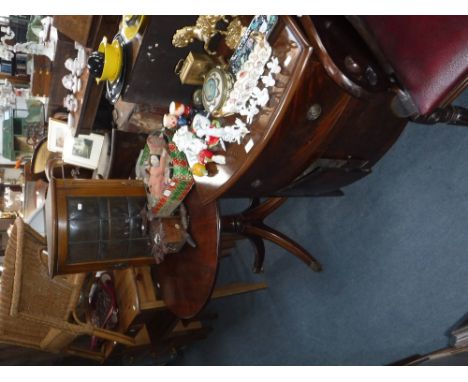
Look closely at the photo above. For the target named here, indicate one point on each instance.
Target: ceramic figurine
(46, 28)
(71, 82)
(274, 65)
(199, 169)
(30, 47)
(207, 163)
(206, 156)
(70, 120)
(69, 65)
(81, 56)
(211, 168)
(200, 122)
(156, 180)
(172, 121)
(178, 108)
(159, 171)
(6, 50)
(8, 34)
(156, 144)
(261, 96)
(268, 80)
(215, 133)
(70, 103)
(73, 66)
(181, 110)
(6, 53)
(203, 127)
(250, 112)
(188, 143)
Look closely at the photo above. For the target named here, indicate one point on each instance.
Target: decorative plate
(113, 89)
(261, 23)
(216, 88)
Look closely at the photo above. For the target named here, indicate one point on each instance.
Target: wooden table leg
(249, 224)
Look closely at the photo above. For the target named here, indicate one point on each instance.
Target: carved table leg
(259, 246)
(249, 223)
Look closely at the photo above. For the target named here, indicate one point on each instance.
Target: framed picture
(57, 131)
(83, 150)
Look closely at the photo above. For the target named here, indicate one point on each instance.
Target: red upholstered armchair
(427, 59)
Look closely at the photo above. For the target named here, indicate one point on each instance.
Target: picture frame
(56, 134)
(83, 150)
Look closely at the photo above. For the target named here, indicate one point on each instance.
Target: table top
(289, 46)
(150, 78)
(186, 279)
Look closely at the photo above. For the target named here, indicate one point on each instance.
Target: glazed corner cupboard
(94, 225)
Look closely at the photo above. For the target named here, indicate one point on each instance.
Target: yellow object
(112, 60)
(131, 25)
(199, 169)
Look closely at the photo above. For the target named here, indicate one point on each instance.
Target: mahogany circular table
(186, 279)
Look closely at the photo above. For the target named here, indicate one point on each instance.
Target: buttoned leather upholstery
(429, 54)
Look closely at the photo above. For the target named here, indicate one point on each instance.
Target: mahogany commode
(322, 129)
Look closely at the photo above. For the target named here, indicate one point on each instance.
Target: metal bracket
(347, 165)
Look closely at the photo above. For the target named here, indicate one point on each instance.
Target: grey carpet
(395, 257)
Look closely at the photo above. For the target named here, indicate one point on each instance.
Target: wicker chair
(37, 311)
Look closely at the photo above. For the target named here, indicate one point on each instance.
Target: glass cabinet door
(106, 229)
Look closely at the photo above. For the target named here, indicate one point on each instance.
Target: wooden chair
(37, 311)
(144, 314)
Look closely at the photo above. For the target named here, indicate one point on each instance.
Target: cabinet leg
(263, 231)
(249, 224)
(259, 247)
(452, 115)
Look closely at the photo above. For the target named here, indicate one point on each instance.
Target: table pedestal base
(249, 224)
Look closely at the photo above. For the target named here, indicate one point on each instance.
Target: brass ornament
(234, 32)
(203, 30)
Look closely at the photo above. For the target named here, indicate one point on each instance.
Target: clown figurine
(172, 121)
(181, 110)
(178, 108)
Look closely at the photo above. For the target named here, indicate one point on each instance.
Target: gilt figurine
(203, 30)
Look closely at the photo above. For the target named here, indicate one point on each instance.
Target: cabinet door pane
(83, 252)
(106, 228)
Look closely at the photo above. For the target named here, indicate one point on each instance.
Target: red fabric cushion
(428, 53)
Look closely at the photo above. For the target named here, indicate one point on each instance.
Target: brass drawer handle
(120, 266)
(256, 183)
(314, 112)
